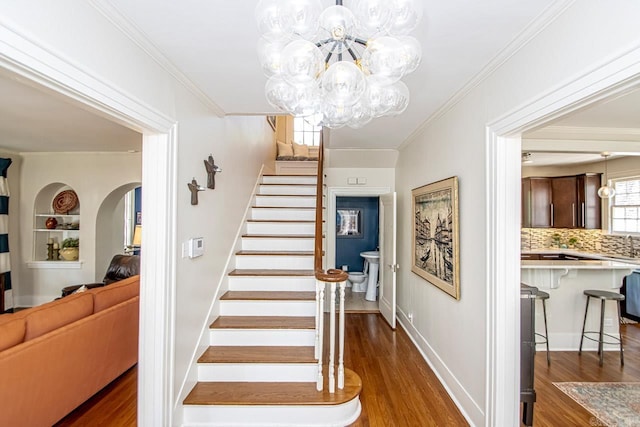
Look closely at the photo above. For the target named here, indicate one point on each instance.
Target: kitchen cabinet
(561, 202)
(536, 202)
(564, 199)
(589, 204)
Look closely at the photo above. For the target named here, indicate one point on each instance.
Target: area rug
(613, 404)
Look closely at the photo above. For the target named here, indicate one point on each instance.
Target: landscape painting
(435, 235)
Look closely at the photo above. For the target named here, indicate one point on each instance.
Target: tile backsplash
(586, 240)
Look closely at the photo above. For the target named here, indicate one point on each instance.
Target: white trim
(36, 63)
(503, 276)
(134, 34)
(613, 76)
(530, 32)
(157, 297)
(55, 264)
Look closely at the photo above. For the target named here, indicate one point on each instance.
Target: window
(305, 132)
(625, 208)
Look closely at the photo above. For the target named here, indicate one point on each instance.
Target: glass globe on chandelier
(340, 66)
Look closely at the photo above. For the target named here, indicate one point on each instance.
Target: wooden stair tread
(264, 322)
(298, 208)
(276, 253)
(258, 354)
(271, 273)
(279, 236)
(286, 195)
(289, 184)
(282, 220)
(267, 393)
(269, 296)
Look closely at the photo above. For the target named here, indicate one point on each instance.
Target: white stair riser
(275, 262)
(307, 190)
(267, 308)
(272, 416)
(286, 214)
(295, 283)
(305, 201)
(284, 179)
(282, 228)
(258, 372)
(278, 244)
(270, 337)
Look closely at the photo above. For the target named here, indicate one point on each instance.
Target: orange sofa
(55, 356)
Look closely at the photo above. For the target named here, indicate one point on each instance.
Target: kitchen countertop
(597, 261)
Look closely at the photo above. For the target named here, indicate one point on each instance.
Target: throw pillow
(285, 151)
(82, 288)
(300, 151)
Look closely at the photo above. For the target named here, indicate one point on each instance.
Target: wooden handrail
(332, 275)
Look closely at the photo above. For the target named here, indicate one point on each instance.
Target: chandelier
(338, 66)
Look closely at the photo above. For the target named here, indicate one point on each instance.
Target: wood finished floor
(399, 389)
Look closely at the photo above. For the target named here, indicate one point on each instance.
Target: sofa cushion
(56, 314)
(115, 293)
(13, 331)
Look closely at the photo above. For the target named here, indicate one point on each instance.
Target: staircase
(260, 369)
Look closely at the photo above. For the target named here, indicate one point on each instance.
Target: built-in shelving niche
(43, 209)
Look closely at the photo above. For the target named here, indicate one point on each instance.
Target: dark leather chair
(120, 267)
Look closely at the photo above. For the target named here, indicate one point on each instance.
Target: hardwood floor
(554, 408)
(399, 388)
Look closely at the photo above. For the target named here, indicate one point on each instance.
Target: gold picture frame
(435, 235)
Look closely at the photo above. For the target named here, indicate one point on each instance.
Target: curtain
(6, 294)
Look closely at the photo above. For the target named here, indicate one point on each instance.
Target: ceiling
(611, 125)
(213, 45)
(35, 120)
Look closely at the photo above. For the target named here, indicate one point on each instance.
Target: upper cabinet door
(536, 202)
(564, 202)
(589, 204)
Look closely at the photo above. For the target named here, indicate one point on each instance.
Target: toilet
(358, 281)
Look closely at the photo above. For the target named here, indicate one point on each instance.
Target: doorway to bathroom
(357, 232)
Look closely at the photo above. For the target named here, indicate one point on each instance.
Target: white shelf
(58, 215)
(55, 264)
(61, 230)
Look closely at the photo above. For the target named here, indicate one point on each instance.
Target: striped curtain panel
(6, 294)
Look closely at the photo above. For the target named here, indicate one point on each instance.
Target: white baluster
(332, 339)
(318, 308)
(320, 286)
(341, 339)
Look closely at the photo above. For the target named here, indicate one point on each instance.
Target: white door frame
(614, 76)
(38, 64)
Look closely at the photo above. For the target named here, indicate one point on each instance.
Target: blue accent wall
(138, 204)
(348, 248)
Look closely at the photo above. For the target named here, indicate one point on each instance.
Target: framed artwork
(435, 243)
(349, 223)
(272, 122)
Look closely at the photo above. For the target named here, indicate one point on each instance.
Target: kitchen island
(565, 274)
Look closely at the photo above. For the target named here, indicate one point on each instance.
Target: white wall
(453, 333)
(93, 176)
(240, 145)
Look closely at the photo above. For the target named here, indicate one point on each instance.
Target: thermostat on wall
(196, 247)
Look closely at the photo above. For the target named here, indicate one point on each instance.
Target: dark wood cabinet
(536, 202)
(561, 202)
(589, 204)
(564, 200)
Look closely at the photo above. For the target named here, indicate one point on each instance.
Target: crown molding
(136, 35)
(585, 133)
(542, 21)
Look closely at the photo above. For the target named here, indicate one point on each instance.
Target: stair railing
(335, 278)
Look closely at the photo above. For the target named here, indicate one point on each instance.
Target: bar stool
(603, 296)
(543, 296)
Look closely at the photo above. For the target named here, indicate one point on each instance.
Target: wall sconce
(212, 169)
(194, 187)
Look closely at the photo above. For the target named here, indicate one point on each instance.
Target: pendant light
(606, 192)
